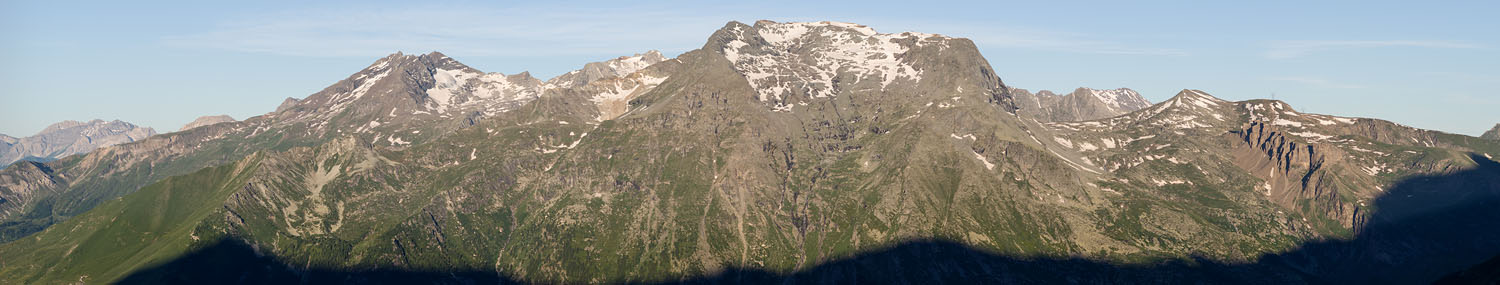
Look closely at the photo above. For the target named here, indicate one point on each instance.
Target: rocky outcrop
(1493, 133)
(27, 180)
(207, 120)
(287, 104)
(1293, 171)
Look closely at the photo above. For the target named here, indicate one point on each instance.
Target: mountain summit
(1493, 133)
(206, 120)
(618, 67)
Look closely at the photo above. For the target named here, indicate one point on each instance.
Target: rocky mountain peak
(431, 84)
(617, 67)
(207, 120)
(65, 124)
(791, 63)
(1493, 133)
(1081, 105)
(1119, 98)
(1192, 99)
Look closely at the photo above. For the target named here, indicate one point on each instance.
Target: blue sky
(161, 64)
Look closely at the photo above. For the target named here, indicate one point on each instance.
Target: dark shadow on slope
(1484, 273)
(1426, 227)
(231, 261)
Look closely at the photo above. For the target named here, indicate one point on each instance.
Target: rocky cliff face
(1081, 105)
(1493, 133)
(68, 138)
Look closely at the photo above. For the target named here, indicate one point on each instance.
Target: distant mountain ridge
(397, 101)
(68, 138)
(1081, 105)
(1493, 133)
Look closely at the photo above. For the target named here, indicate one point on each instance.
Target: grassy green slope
(152, 226)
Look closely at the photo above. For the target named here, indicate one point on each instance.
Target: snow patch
(396, 141)
(1085, 146)
(1063, 142)
(492, 92)
(1285, 122)
(987, 164)
(830, 49)
(1311, 135)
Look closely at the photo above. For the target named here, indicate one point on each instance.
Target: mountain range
(813, 151)
(68, 138)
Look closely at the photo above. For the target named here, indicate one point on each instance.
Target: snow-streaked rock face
(618, 67)
(820, 59)
(72, 137)
(435, 94)
(1120, 99)
(1080, 105)
(489, 93)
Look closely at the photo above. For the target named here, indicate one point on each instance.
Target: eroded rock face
(70, 137)
(1493, 133)
(27, 180)
(1081, 105)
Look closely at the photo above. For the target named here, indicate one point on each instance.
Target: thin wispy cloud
(471, 32)
(501, 32)
(1317, 82)
(1063, 43)
(1016, 37)
(1293, 49)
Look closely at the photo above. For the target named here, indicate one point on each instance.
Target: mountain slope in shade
(797, 149)
(1081, 105)
(206, 120)
(70, 137)
(1493, 133)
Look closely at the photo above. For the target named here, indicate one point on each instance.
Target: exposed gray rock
(71, 137)
(1081, 105)
(288, 103)
(207, 120)
(1493, 133)
(618, 67)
